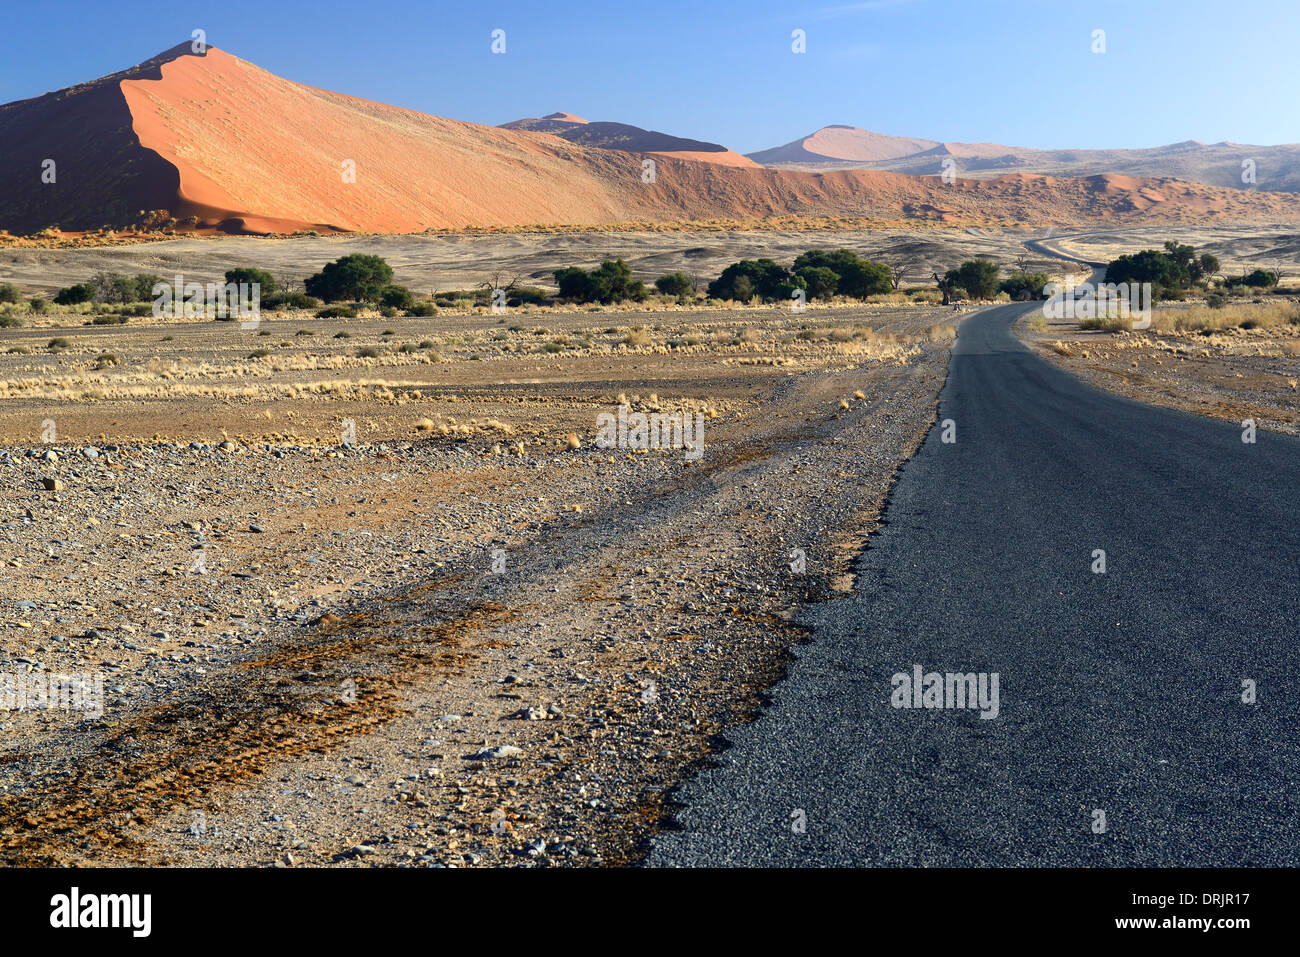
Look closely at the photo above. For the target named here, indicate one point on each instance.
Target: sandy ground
(1237, 248)
(459, 641)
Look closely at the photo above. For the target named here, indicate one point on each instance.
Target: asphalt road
(1118, 692)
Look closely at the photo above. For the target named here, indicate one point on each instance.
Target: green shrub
(259, 353)
(422, 309)
(978, 277)
(388, 312)
(10, 293)
(354, 277)
(741, 290)
(144, 283)
(289, 300)
(1257, 279)
(574, 283)
(109, 319)
(1024, 286)
(38, 304)
(611, 281)
(1105, 323)
(337, 312)
(858, 277)
(743, 280)
(676, 284)
(106, 360)
(342, 335)
(266, 283)
(58, 344)
(8, 320)
(114, 288)
(397, 297)
(368, 352)
(1169, 270)
(821, 282)
(528, 296)
(73, 295)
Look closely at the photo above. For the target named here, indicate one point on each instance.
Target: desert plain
(366, 591)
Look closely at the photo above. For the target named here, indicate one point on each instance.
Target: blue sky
(1019, 72)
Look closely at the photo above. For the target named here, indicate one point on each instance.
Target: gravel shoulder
(471, 637)
(1232, 374)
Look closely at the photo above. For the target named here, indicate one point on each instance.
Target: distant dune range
(1276, 168)
(216, 138)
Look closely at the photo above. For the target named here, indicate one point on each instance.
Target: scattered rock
(500, 751)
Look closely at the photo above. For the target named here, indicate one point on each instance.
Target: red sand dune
(843, 144)
(855, 144)
(563, 117)
(722, 158)
(214, 137)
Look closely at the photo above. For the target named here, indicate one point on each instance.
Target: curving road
(1119, 692)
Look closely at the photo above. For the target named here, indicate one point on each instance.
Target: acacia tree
(859, 277)
(358, 277)
(611, 281)
(979, 277)
(1209, 267)
(265, 281)
(764, 277)
(676, 284)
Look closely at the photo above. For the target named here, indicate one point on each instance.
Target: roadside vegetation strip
(363, 282)
(1236, 362)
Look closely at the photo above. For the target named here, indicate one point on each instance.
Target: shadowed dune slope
(101, 173)
(622, 136)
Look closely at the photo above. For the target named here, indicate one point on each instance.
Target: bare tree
(1023, 263)
(499, 288)
(498, 281)
(898, 271)
(943, 284)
